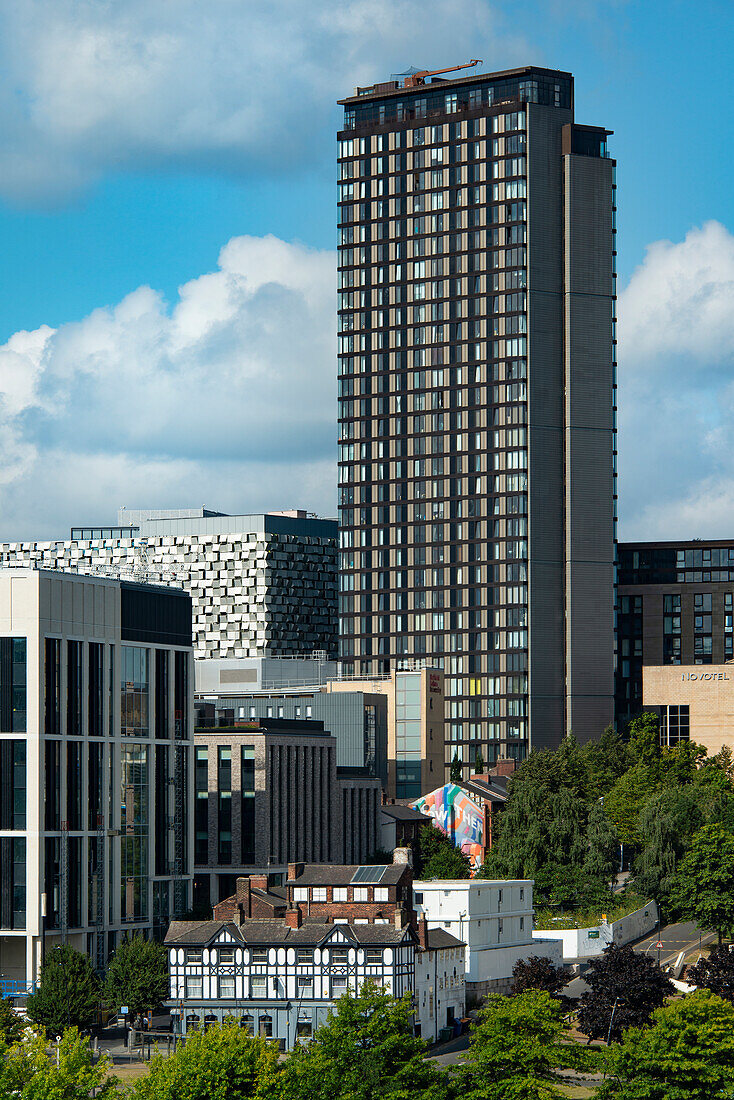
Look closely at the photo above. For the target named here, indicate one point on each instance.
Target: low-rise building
(494, 918)
(400, 827)
(278, 958)
(268, 792)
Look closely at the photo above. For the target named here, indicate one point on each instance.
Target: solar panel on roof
(369, 874)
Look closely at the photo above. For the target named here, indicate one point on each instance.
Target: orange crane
(415, 79)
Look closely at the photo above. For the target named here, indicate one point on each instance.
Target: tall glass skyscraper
(477, 402)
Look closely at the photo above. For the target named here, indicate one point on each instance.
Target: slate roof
(490, 792)
(273, 933)
(438, 938)
(404, 813)
(326, 874)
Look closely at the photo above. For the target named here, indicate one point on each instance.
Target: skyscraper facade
(477, 402)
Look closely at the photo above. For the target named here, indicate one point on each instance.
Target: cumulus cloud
(226, 397)
(230, 85)
(676, 390)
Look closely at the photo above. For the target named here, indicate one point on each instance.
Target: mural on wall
(454, 813)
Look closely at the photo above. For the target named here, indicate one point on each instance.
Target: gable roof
(403, 813)
(438, 938)
(327, 874)
(276, 933)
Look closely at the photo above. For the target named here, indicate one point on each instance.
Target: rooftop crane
(416, 79)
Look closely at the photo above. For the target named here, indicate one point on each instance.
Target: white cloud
(676, 390)
(227, 398)
(232, 85)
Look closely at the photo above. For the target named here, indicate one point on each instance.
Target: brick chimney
(242, 893)
(259, 882)
(293, 918)
(403, 855)
(295, 870)
(423, 933)
(503, 767)
(401, 918)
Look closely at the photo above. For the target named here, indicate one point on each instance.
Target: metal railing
(16, 987)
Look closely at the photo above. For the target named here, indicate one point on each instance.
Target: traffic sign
(124, 1010)
(659, 945)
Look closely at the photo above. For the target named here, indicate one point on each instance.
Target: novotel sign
(705, 676)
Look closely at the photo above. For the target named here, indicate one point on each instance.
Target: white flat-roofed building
(494, 918)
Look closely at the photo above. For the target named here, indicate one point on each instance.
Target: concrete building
(279, 958)
(415, 725)
(96, 723)
(675, 607)
(260, 584)
(392, 724)
(268, 792)
(477, 402)
(495, 921)
(695, 703)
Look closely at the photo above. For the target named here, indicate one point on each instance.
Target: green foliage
(366, 1049)
(705, 887)
(551, 832)
(67, 994)
(30, 1074)
(478, 763)
(137, 976)
(516, 1050)
(456, 774)
(686, 1054)
(11, 1025)
(221, 1063)
(538, 972)
(668, 820)
(439, 858)
(625, 989)
(715, 972)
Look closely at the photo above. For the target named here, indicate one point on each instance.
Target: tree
(516, 1050)
(538, 972)
(67, 994)
(686, 1054)
(715, 973)
(456, 775)
(11, 1025)
(439, 857)
(667, 821)
(478, 763)
(625, 990)
(366, 1049)
(221, 1063)
(29, 1073)
(137, 976)
(705, 888)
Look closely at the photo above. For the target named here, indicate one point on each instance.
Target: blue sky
(137, 143)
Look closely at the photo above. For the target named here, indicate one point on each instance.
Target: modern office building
(391, 724)
(96, 720)
(695, 703)
(477, 402)
(260, 584)
(268, 791)
(676, 607)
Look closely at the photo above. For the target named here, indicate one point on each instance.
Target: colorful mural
(456, 815)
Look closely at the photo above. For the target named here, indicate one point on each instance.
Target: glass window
(12, 685)
(258, 986)
(225, 955)
(134, 871)
(340, 893)
(373, 955)
(361, 893)
(226, 987)
(194, 955)
(194, 987)
(339, 956)
(318, 893)
(134, 682)
(259, 954)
